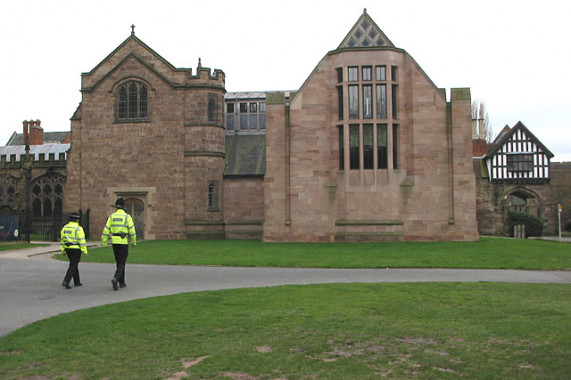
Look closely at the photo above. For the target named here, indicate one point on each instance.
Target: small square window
(243, 121)
(229, 107)
(262, 107)
(381, 73)
(243, 107)
(262, 121)
(253, 121)
(367, 73)
(353, 74)
(253, 107)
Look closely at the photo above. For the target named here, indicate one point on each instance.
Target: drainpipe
(287, 163)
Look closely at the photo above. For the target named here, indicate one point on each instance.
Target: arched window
(47, 194)
(132, 101)
(8, 194)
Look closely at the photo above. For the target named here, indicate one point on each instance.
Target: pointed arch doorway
(524, 200)
(136, 208)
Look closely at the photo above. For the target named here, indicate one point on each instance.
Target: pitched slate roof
(49, 138)
(245, 155)
(505, 135)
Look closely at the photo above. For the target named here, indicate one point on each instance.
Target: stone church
(368, 149)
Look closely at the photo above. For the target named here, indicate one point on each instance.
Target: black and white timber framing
(517, 156)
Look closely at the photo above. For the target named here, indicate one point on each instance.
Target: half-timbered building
(516, 156)
(513, 175)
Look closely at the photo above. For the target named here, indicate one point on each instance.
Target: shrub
(533, 225)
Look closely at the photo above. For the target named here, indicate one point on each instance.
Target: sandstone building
(368, 149)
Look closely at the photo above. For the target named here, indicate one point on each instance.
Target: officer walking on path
(73, 244)
(119, 227)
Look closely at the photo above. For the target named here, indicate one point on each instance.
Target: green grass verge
(9, 246)
(336, 331)
(488, 253)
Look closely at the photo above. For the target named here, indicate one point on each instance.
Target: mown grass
(336, 331)
(8, 246)
(487, 253)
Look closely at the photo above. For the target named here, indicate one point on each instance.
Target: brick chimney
(479, 147)
(26, 131)
(479, 144)
(36, 133)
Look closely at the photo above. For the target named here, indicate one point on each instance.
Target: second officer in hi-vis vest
(120, 228)
(72, 244)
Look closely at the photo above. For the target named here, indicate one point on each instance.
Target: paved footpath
(30, 282)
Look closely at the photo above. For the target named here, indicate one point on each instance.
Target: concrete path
(30, 282)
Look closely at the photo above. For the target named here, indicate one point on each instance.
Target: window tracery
(47, 195)
(132, 101)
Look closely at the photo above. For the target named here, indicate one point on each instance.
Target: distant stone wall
(492, 207)
(561, 192)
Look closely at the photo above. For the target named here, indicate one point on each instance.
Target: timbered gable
(517, 156)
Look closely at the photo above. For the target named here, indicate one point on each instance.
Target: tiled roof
(506, 133)
(49, 138)
(245, 155)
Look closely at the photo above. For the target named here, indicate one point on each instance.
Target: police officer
(119, 227)
(72, 244)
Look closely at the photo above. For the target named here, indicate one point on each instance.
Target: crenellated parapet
(46, 157)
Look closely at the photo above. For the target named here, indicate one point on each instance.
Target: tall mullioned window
(372, 107)
(133, 101)
(212, 109)
(213, 196)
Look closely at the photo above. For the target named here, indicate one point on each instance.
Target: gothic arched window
(132, 101)
(8, 194)
(47, 195)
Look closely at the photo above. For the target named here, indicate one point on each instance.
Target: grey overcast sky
(514, 55)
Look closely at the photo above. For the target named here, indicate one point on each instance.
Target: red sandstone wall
(166, 162)
(243, 207)
(427, 198)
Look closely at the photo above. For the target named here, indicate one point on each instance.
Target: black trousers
(121, 252)
(74, 256)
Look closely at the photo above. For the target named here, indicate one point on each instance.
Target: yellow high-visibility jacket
(73, 236)
(119, 227)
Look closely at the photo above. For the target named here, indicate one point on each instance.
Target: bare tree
(482, 120)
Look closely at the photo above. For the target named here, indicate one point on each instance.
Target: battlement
(207, 76)
(39, 155)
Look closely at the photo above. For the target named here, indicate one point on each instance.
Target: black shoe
(122, 285)
(66, 285)
(80, 284)
(114, 283)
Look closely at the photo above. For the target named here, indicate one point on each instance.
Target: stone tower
(154, 135)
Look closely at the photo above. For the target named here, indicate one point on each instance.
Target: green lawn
(8, 246)
(336, 331)
(488, 253)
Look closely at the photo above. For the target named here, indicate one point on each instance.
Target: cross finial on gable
(133, 29)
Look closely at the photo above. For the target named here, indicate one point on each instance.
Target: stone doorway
(136, 208)
(524, 201)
